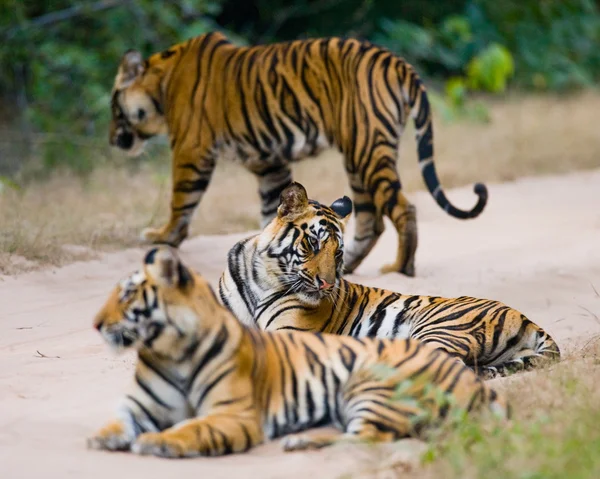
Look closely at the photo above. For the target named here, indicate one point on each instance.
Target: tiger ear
(292, 202)
(131, 66)
(342, 207)
(163, 266)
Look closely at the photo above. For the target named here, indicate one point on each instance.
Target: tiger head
(156, 307)
(302, 247)
(137, 109)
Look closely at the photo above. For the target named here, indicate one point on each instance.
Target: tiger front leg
(119, 434)
(173, 233)
(213, 435)
(272, 180)
(190, 180)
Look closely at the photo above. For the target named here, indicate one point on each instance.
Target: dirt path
(536, 247)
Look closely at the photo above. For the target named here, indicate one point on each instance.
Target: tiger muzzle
(323, 283)
(123, 140)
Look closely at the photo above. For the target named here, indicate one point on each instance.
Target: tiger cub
(207, 385)
(289, 278)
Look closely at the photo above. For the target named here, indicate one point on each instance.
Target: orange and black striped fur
(207, 385)
(289, 277)
(272, 104)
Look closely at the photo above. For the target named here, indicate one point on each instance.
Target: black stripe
(213, 383)
(171, 382)
(147, 413)
(215, 349)
(146, 388)
(191, 186)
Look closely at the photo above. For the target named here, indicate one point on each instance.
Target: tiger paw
(408, 270)
(161, 444)
(296, 442)
(489, 372)
(302, 442)
(163, 236)
(112, 437)
(154, 236)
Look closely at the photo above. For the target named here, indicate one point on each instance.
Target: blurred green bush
(58, 59)
(553, 44)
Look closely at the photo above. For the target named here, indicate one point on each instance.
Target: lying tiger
(207, 385)
(289, 277)
(270, 105)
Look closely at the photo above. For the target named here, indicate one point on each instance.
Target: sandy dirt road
(536, 247)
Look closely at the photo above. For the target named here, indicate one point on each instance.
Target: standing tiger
(289, 277)
(207, 385)
(272, 104)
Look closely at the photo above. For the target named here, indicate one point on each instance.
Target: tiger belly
(388, 323)
(256, 160)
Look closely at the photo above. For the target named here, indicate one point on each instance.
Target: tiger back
(290, 277)
(204, 384)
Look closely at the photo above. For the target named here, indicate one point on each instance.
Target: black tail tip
(482, 192)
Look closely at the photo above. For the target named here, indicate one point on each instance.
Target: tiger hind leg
(403, 215)
(369, 413)
(512, 366)
(358, 432)
(368, 228)
(507, 368)
(543, 351)
(382, 182)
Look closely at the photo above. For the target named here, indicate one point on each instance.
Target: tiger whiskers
(335, 295)
(293, 287)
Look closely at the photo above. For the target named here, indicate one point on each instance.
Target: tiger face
(303, 245)
(149, 309)
(137, 114)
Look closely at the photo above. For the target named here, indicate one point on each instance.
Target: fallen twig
(40, 355)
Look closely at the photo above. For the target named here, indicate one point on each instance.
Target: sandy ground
(536, 247)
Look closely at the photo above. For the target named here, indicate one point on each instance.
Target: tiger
(270, 105)
(206, 385)
(289, 277)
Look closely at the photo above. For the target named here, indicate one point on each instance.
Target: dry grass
(532, 135)
(553, 434)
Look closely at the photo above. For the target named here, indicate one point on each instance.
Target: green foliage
(490, 70)
(554, 42)
(551, 44)
(64, 69)
(531, 449)
(58, 59)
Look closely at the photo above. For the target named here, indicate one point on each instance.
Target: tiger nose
(98, 322)
(322, 283)
(124, 140)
